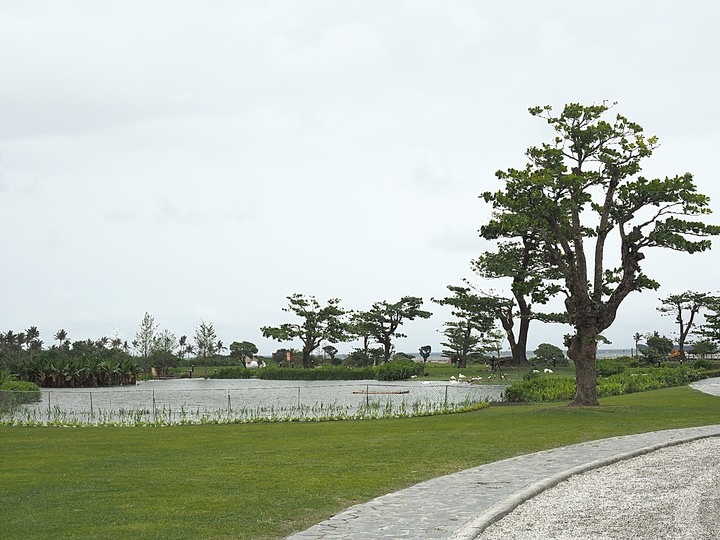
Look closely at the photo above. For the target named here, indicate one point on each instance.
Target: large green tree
(145, 336)
(384, 319)
(317, 324)
(205, 341)
(476, 314)
(547, 353)
(462, 342)
(658, 348)
(582, 193)
(684, 307)
(242, 350)
(532, 280)
(711, 328)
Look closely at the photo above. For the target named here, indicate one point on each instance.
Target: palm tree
(31, 334)
(20, 340)
(61, 336)
(183, 347)
(8, 340)
(205, 340)
(637, 337)
(35, 346)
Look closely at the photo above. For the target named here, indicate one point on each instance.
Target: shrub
(547, 354)
(641, 380)
(707, 374)
(234, 372)
(704, 363)
(17, 392)
(541, 389)
(637, 380)
(610, 366)
(324, 373)
(398, 370)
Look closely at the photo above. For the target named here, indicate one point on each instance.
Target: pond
(189, 401)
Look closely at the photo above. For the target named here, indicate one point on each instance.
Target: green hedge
(17, 392)
(394, 370)
(710, 373)
(398, 370)
(541, 389)
(635, 380)
(234, 372)
(323, 373)
(610, 366)
(705, 363)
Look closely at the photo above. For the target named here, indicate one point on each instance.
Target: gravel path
(671, 493)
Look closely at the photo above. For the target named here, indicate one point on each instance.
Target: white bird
(536, 371)
(461, 376)
(452, 378)
(413, 376)
(548, 370)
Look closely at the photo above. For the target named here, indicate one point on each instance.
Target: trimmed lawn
(268, 480)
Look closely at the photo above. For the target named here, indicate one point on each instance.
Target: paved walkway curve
(460, 506)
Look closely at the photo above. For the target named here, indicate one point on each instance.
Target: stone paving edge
(473, 528)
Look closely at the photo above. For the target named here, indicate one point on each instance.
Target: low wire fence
(131, 406)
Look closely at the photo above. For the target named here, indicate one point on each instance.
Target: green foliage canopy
(578, 191)
(317, 324)
(384, 318)
(684, 307)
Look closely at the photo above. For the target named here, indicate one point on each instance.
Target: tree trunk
(519, 351)
(519, 354)
(387, 348)
(582, 351)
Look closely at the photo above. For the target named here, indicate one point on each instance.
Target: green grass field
(268, 480)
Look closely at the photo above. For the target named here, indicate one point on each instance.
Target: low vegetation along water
(198, 401)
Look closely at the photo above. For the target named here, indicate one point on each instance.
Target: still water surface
(194, 398)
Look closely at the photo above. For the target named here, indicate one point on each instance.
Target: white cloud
(204, 160)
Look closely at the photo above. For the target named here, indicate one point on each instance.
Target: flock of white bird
(463, 378)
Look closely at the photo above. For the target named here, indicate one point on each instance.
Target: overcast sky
(206, 159)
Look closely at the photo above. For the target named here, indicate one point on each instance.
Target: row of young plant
(395, 370)
(540, 388)
(167, 416)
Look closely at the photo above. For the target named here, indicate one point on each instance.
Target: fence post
(367, 395)
(446, 387)
(48, 404)
(154, 412)
(229, 409)
(91, 405)
(298, 398)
